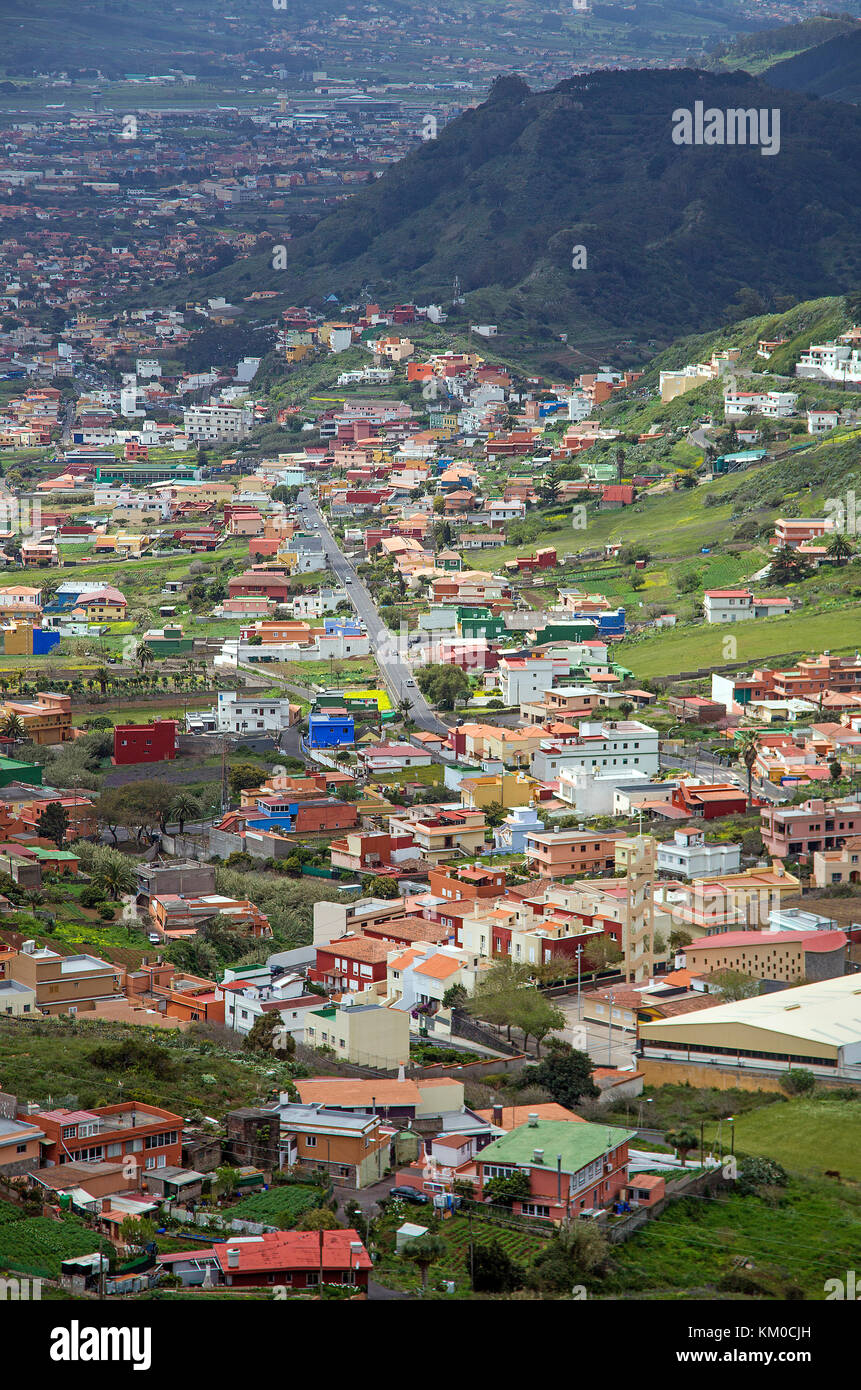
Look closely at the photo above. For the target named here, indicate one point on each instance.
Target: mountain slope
(672, 232)
(832, 69)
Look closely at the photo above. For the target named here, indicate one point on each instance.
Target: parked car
(409, 1194)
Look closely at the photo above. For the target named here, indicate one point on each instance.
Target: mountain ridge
(508, 189)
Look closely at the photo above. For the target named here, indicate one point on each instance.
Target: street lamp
(610, 1032)
(578, 953)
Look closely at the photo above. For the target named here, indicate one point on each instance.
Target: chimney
(29, 948)
(497, 1116)
(232, 1258)
(106, 1204)
(538, 1156)
(533, 1120)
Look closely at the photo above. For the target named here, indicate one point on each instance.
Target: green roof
(579, 1143)
(323, 1013)
(42, 853)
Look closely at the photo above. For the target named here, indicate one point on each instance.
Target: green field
(687, 648)
(280, 1206)
(795, 1239)
(805, 1136)
(37, 1245)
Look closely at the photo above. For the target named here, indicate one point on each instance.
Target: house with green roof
(573, 1166)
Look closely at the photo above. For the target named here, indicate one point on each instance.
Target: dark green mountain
(672, 233)
(831, 69)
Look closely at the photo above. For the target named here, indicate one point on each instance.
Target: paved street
(396, 673)
(594, 1038)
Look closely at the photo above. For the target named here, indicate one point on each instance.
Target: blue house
(331, 730)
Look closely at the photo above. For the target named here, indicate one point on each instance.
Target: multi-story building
(368, 1034)
(572, 1166)
(688, 855)
(239, 714)
(444, 835)
(355, 963)
(793, 832)
(145, 743)
(626, 743)
(558, 853)
(207, 424)
(146, 1133)
(788, 956)
(65, 984)
(46, 719)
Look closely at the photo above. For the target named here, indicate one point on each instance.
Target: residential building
(688, 855)
(795, 832)
(368, 1034)
(240, 714)
(625, 743)
(65, 984)
(281, 1259)
(145, 743)
(572, 1168)
(150, 1135)
(559, 853)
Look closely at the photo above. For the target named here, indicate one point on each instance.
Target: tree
(454, 997)
(569, 1258)
(114, 878)
(835, 769)
(113, 811)
(318, 1219)
(732, 985)
(548, 488)
(383, 887)
(424, 1252)
(787, 566)
(493, 1269)
(798, 1081)
(261, 1036)
(746, 751)
(682, 1140)
(565, 1073)
(443, 685)
(13, 728)
(840, 549)
(138, 1231)
(504, 1192)
(243, 775)
(185, 806)
(53, 823)
(537, 1017)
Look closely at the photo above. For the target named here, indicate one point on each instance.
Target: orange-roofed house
(351, 963)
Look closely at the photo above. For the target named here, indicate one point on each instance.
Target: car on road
(348, 579)
(412, 683)
(409, 1194)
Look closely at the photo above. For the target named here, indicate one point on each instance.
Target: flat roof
(578, 1144)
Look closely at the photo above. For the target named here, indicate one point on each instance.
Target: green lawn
(687, 648)
(805, 1136)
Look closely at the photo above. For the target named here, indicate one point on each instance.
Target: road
(397, 675)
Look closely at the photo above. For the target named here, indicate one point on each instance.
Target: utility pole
(578, 953)
(610, 1032)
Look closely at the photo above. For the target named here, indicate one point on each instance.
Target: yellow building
(505, 789)
(365, 1033)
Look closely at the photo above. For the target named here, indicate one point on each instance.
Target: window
(310, 1141)
(534, 1209)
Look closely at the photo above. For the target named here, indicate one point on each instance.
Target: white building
(836, 361)
(525, 677)
(212, 424)
(821, 421)
(776, 405)
(592, 793)
(241, 714)
(624, 744)
(727, 605)
(688, 856)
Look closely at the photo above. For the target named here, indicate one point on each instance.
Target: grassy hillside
(509, 188)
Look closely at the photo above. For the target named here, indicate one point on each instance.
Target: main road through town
(384, 644)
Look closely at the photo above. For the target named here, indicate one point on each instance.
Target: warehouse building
(817, 1026)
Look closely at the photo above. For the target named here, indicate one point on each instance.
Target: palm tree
(114, 878)
(13, 728)
(102, 675)
(746, 750)
(144, 656)
(185, 806)
(840, 549)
